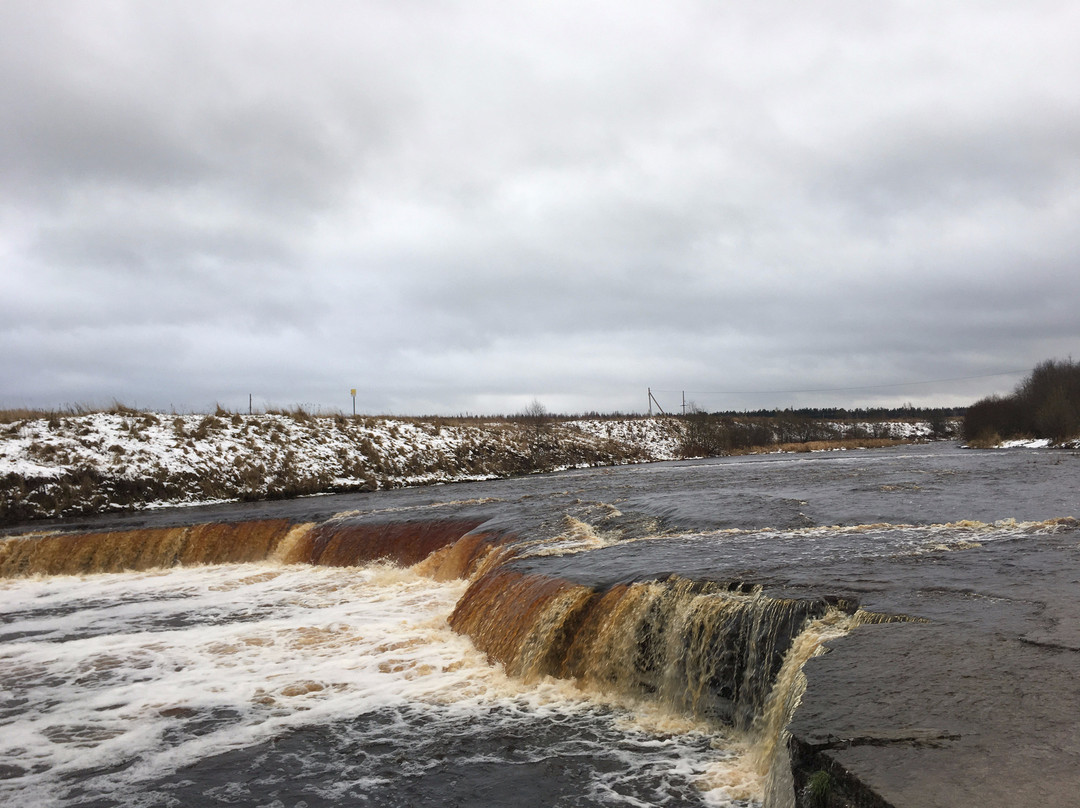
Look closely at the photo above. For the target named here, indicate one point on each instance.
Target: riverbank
(75, 465)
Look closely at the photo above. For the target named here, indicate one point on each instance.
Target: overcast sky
(467, 206)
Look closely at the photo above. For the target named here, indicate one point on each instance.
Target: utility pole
(652, 400)
(684, 403)
(249, 403)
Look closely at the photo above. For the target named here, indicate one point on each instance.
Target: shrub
(118, 408)
(208, 423)
(941, 425)
(535, 414)
(299, 414)
(708, 436)
(992, 415)
(818, 788)
(1044, 405)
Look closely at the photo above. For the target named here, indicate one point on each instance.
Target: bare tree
(536, 414)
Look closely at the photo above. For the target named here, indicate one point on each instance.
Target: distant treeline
(721, 433)
(905, 413)
(533, 413)
(715, 434)
(1044, 405)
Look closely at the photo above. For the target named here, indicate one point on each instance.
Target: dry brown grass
(826, 445)
(989, 440)
(18, 414)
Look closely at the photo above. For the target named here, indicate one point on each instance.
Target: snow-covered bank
(98, 462)
(1037, 443)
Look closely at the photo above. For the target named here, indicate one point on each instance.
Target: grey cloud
(464, 206)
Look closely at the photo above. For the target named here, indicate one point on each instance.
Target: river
(613, 637)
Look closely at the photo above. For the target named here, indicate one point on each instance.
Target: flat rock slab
(978, 707)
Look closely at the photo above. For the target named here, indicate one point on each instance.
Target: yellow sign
(353, 391)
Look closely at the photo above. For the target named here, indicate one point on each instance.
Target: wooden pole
(652, 400)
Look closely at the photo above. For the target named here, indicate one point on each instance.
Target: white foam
(141, 674)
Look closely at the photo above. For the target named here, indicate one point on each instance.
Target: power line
(841, 389)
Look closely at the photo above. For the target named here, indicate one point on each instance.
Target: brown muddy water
(625, 636)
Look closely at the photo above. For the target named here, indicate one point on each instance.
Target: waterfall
(335, 543)
(141, 549)
(695, 646)
(725, 653)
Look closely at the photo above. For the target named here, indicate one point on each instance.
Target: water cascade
(771, 758)
(335, 543)
(709, 649)
(346, 543)
(696, 646)
(119, 551)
